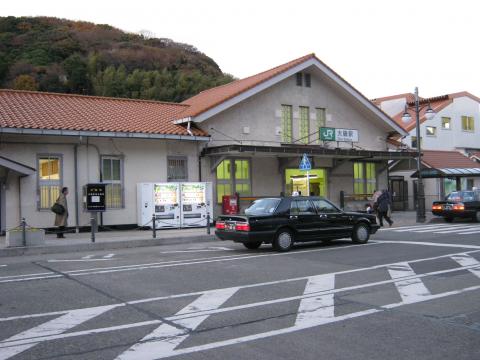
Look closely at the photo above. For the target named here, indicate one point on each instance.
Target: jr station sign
(334, 134)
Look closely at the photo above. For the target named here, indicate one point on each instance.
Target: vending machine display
(196, 203)
(161, 199)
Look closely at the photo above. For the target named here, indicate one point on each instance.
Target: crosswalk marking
(164, 339)
(411, 290)
(317, 309)
(464, 228)
(443, 228)
(468, 260)
(29, 338)
(469, 232)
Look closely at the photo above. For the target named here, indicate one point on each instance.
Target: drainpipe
(75, 170)
(188, 128)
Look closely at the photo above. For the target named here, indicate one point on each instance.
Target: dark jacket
(383, 202)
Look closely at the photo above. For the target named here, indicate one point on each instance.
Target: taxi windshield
(262, 207)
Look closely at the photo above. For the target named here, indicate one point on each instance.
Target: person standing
(383, 205)
(61, 219)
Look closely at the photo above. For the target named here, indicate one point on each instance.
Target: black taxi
(459, 204)
(284, 220)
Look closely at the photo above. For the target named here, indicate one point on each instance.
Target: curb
(122, 244)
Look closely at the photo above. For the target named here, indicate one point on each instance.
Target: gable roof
(213, 101)
(437, 103)
(78, 113)
(207, 99)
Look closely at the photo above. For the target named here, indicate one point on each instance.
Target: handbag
(58, 209)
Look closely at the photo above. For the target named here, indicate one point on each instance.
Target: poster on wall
(165, 194)
(193, 193)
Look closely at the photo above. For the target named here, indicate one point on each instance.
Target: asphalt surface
(410, 293)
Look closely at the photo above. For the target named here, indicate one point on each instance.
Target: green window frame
(321, 120)
(364, 178)
(233, 176)
(446, 123)
(304, 124)
(112, 177)
(49, 180)
(287, 123)
(468, 123)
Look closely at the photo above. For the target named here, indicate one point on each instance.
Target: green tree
(25, 82)
(77, 75)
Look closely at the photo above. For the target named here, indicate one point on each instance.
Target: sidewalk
(138, 238)
(109, 240)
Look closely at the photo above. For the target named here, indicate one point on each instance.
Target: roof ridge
(91, 97)
(303, 58)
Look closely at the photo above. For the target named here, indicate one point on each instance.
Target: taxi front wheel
(361, 233)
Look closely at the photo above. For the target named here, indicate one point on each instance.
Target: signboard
(333, 134)
(305, 164)
(165, 194)
(193, 193)
(95, 197)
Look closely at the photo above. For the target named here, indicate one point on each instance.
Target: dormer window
(308, 80)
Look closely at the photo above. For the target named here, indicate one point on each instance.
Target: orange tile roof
(447, 159)
(210, 98)
(437, 103)
(51, 111)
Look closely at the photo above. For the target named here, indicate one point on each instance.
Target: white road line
(411, 290)
(317, 309)
(468, 260)
(88, 257)
(410, 227)
(197, 293)
(188, 251)
(465, 228)
(31, 278)
(28, 275)
(444, 228)
(291, 329)
(165, 338)
(188, 315)
(27, 339)
(469, 232)
(77, 260)
(3, 265)
(428, 244)
(415, 227)
(109, 256)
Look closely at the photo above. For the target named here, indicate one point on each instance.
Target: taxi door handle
(293, 217)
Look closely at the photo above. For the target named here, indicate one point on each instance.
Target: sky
(381, 47)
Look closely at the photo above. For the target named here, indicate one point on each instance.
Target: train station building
(246, 137)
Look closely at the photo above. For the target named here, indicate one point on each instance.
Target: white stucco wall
(455, 138)
(144, 161)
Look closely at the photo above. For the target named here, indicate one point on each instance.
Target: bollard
(24, 232)
(208, 223)
(154, 226)
(92, 226)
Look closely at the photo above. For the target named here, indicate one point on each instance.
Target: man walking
(61, 218)
(383, 205)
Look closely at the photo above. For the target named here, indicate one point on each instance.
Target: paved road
(411, 293)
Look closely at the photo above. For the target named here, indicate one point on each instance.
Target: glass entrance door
(296, 180)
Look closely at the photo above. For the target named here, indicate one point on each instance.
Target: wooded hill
(57, 55)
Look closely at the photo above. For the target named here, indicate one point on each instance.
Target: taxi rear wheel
(284, 240)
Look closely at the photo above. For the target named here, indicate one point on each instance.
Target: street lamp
(406, 118)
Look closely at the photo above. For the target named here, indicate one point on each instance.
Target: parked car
(283, 221)
(459, 204)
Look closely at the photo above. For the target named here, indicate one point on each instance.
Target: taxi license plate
(230, 226)
(447, 207)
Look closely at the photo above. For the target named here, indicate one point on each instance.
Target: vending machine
(161, 199)
(196, 203)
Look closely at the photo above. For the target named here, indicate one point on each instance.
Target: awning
(15, 166)
(448, 173)
(294, 150)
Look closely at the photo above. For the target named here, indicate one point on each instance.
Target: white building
(245, 137)
(454, 129)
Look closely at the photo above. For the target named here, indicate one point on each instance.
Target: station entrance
(296, 180)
